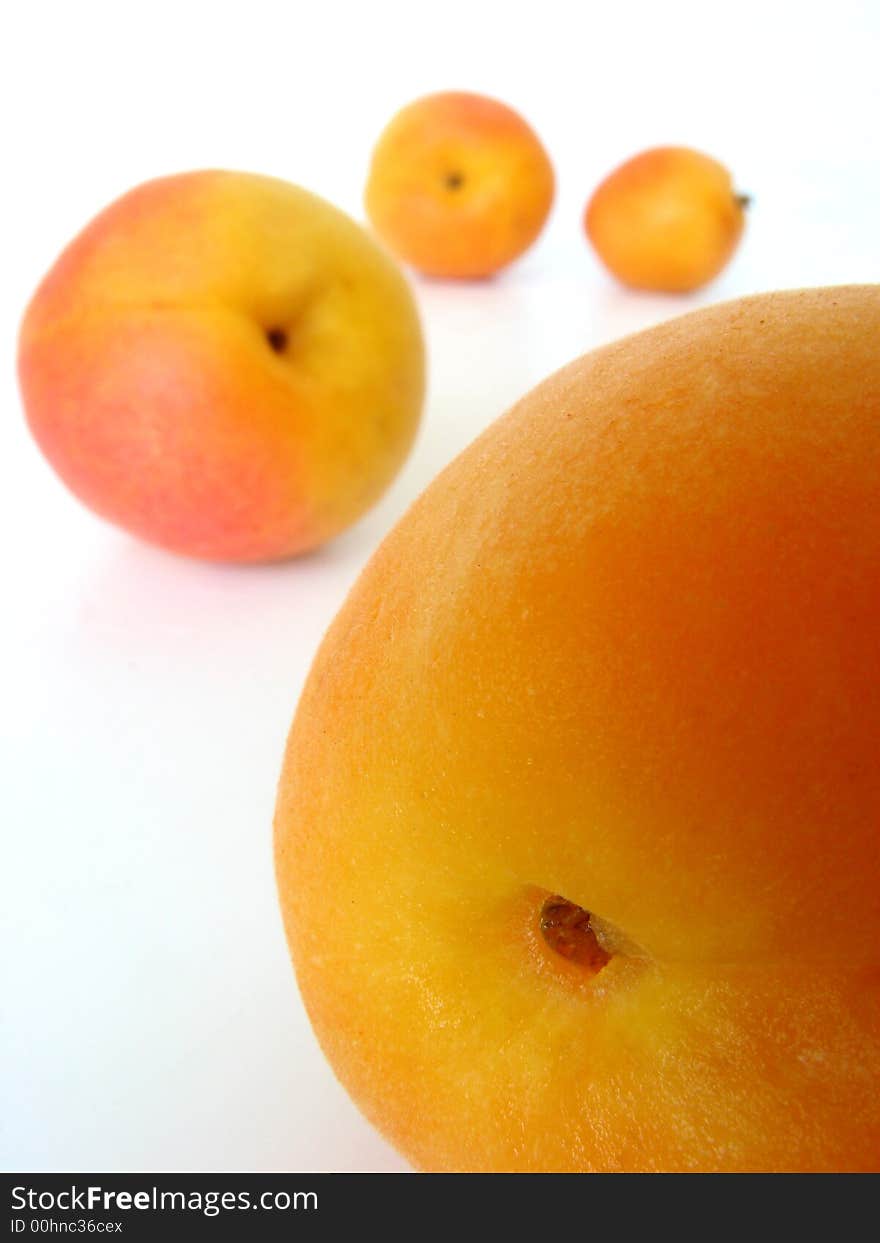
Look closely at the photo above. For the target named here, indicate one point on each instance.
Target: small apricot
(668, 220)
(459, 185)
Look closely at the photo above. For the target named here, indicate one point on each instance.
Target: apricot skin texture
(624, 650)
(459, 185)
(667, 220)
(224, 365)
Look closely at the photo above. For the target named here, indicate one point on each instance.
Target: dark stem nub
(566, 929)
(744, 200)
(277, 339)
(453, 181)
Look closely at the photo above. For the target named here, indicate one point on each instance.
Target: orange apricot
(459, 186)
(224, 365)
(667, 220)
(586, 769)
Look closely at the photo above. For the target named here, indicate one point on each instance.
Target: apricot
(225, 365)
(459, 185)
(577, 831)
(667, 220)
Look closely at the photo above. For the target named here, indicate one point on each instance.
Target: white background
(150, 1017)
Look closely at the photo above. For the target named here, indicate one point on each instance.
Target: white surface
(150, 1015)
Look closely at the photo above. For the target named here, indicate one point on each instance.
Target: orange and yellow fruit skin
(152, 385)
(459, 185)
(624, 649)
(667, 220)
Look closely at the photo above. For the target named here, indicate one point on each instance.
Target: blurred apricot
(669, 220)
(225, 365)
(459, 186)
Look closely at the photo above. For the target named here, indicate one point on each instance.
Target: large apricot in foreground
(459, 185)
(225, 365)
(578, 833)
(667, 220)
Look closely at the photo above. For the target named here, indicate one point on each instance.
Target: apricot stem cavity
(277, 339)
(567, 929)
